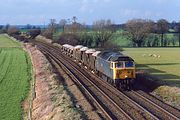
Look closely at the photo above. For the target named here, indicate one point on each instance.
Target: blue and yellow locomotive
(116, 68)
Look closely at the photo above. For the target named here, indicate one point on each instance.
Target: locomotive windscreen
(120, 58)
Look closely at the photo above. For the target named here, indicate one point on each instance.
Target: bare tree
(53, 25)
(62, 23)
(74, 19)
(74, 28)
(138, 30)
(103, 31)
(177, 29)
(162, 28)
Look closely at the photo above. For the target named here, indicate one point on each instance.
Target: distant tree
(173, 24)
(1, 27)
(52, 25)
(103, 32)
(28, 26)
(138, 30)
(34, 27)
(62, 23)
(7, 26)
(85, 38)
(13, 31)
(177, 29)
(162, 28)
(68, 21)
(74, 19)
(74, 28)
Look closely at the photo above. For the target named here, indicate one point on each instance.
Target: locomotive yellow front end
(124, 70)
(124, 73)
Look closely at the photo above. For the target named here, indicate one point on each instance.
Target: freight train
(114, 67)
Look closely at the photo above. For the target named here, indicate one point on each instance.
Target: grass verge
(15, 74)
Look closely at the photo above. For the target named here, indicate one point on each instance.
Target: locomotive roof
(114, 56)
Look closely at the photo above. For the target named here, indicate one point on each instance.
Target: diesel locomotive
(114, 67)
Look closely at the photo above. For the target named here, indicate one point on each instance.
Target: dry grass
(169, 94)
(52, 101)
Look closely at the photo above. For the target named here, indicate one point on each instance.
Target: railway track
(106, 104)
(152, 106)
(127, 107)
(167, 107)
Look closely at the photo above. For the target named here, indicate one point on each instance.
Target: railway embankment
(161, 90)
(156, 88)
(160, 68)
(50, 98)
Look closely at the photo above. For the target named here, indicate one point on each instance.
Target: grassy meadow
(15, 74)
(165, 67)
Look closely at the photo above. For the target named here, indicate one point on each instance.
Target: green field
(5, 41)
(15, 74)
(166, 68)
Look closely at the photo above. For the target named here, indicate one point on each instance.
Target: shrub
(48, 33)
(68, 38)
(34, 32)
(13, 31)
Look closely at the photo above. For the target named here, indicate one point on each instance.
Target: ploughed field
(15, 73)
(163, 63)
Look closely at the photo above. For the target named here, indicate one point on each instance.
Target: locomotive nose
(124, 74)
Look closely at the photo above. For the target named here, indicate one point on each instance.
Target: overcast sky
(87, 11)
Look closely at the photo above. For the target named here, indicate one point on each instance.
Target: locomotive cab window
(119, 65)
(129, 64)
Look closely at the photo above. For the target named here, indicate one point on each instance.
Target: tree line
(139, 29)
(97, 35)
(101, 32)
